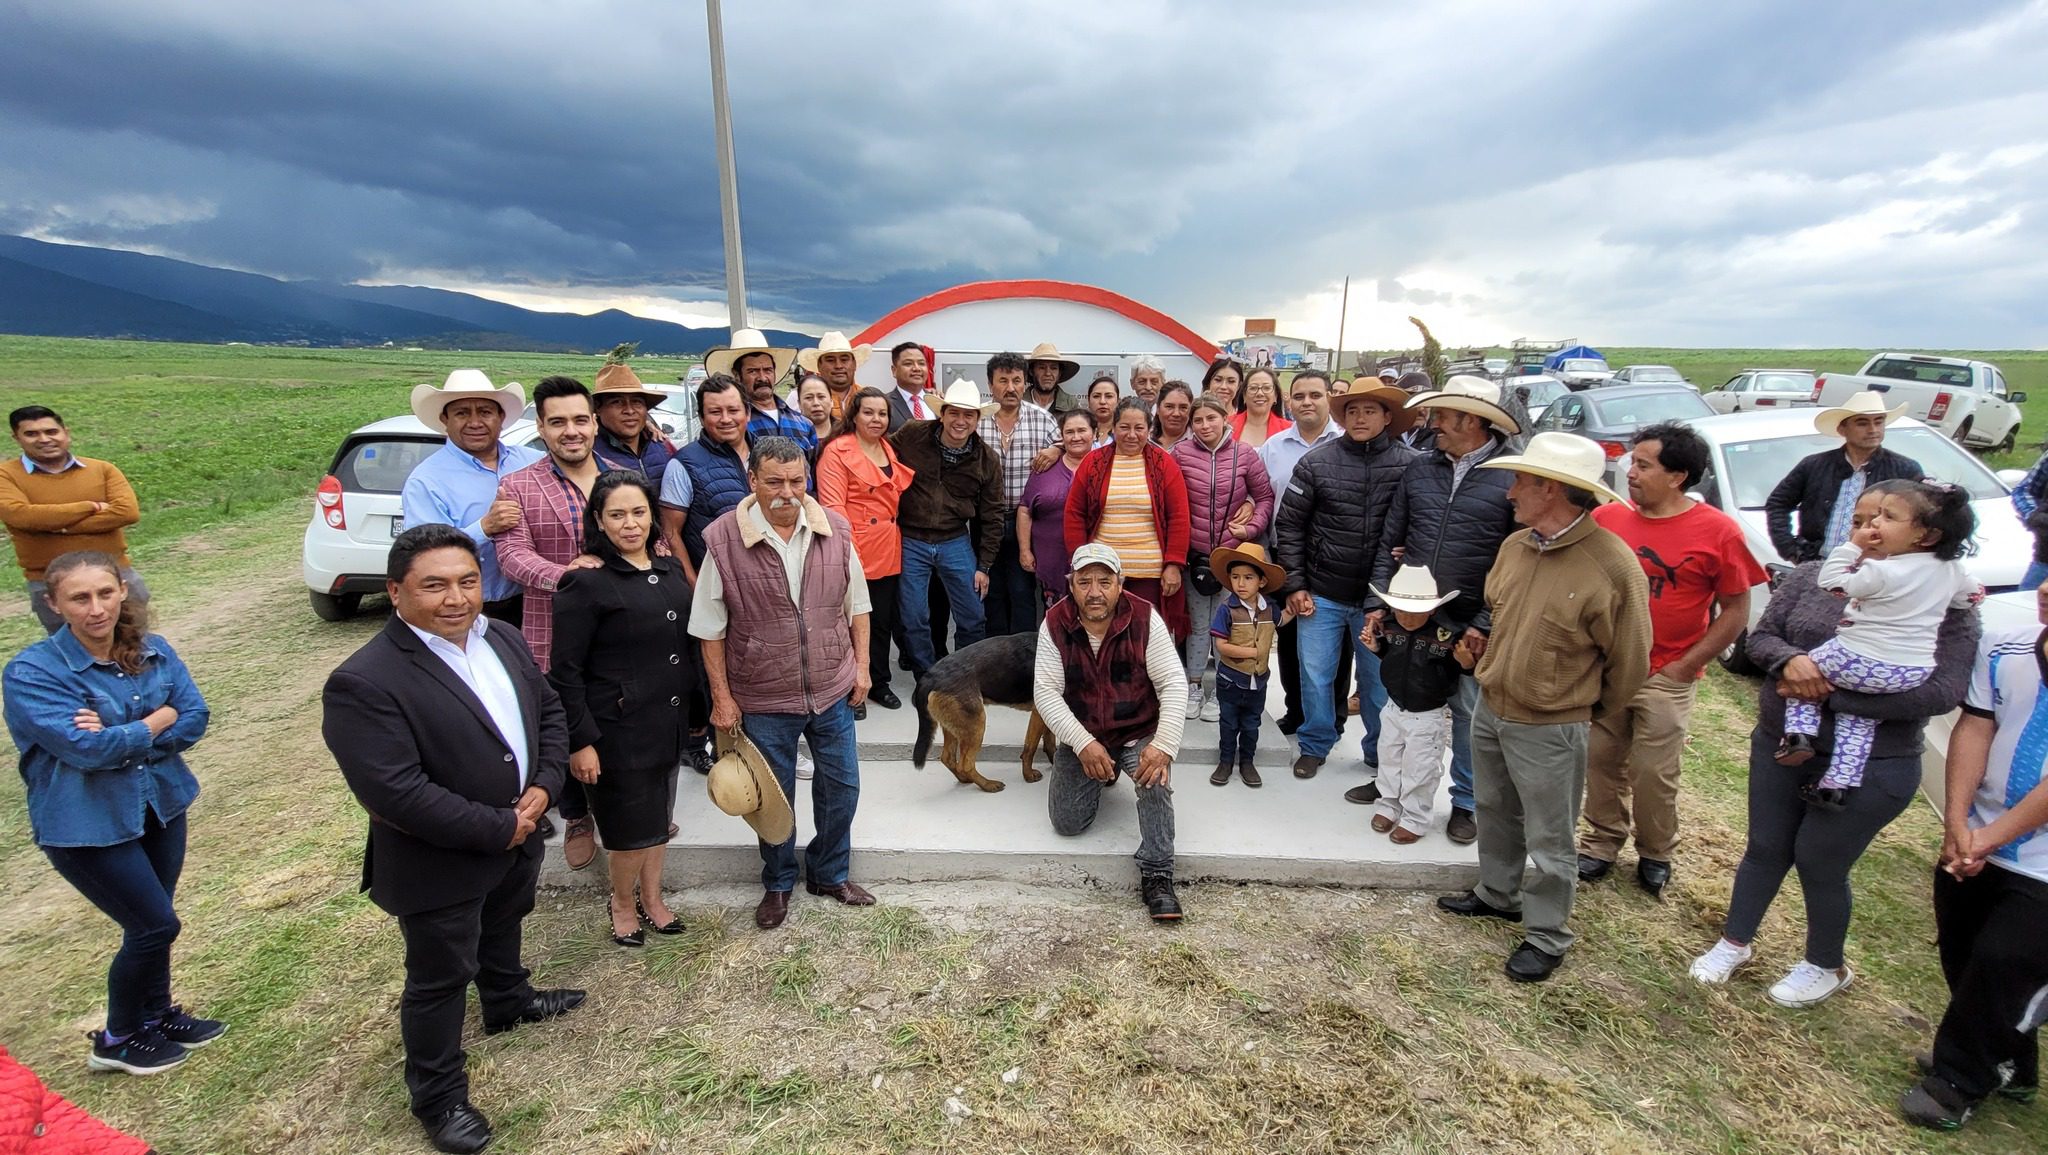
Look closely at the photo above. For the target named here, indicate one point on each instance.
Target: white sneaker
(1807, 984)
(1212, 709)
(1194, 700)
(804, 769)
(1722, 960)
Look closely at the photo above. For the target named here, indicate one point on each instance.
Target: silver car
(1766, 389)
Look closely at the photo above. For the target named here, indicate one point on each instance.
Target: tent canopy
(1557, 359)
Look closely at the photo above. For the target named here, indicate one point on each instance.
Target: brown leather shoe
(579, 843)
(846, 893)
(773, 909)
(1402, 836)
(1463, 828)
(1250, 774)
(1381, 824)
(1221, 775)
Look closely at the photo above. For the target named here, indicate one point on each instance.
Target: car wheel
(334, 607)
(2012, 437)
(1735, 659)
(1963, 430)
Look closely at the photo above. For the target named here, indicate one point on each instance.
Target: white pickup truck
(1965, 399)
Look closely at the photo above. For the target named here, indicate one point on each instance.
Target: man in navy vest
(1105, 662)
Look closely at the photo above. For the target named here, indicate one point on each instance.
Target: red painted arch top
(1137, 311)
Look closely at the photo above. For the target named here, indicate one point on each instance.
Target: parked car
(1496, 367)
(356, 510)
(1648, 375)
(1750, 453)
(1967, 400)
(1582, 372)
(1765, 389)
(1536, 392)
(1612, 415)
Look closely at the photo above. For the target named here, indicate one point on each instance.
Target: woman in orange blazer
(860, 477)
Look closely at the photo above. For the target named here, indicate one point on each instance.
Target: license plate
(397, 526)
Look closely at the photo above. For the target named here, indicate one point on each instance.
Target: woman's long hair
(1244, 388)
(850, 410)
(1218, 366)
(133, 621)
(596, 542)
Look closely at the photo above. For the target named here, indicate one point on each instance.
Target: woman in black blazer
(624, 667)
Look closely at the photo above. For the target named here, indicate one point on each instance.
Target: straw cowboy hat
(742, 784)
(1250, 553)
(1400, 418)
(1562, 457)
(1868, 403)
(1046, 352)
(1413, 590)
(428, 402)
(962, 394)
(832, 341)
(618, 380)
(1469, 395)
(745, 341)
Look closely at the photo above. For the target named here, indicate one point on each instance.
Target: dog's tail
(921, 699)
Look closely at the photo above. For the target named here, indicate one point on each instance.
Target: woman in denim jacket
(102, 711)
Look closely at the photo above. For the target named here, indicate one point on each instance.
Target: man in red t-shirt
(1700, 573)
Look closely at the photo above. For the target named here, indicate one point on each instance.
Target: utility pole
(1343, 312)
(728, 178)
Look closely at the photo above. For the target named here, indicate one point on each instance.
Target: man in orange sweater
(54, 503)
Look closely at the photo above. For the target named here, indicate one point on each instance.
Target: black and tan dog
(955, 692)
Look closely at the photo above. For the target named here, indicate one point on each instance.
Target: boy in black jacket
(1421, 660)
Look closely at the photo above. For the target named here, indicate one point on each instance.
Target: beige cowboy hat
(1562, 457)
(743, 785)
(428, 401)
(1868, 403)
(832, 341)
(1250, 553)
(745, 341)
(1467, 394)
(1045, 351)
(1413, 590)
(618, 380)
(1400, 418)
(962, 394)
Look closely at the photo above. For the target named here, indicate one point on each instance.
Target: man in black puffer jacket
(1817, 486)
(1451, 517)
(1326, 535)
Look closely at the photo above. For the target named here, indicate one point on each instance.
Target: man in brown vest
(782, 610)
(1105, 662)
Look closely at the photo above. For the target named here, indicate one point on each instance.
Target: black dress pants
(446, 950)
(1991, 929)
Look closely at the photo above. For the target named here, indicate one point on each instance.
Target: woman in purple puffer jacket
(1230, 502)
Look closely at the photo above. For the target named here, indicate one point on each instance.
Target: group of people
(573, 626)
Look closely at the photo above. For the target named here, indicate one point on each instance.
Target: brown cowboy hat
(1400, 418)
(743, 785)
(1250, 553)
(618, 380)
(1045, 351)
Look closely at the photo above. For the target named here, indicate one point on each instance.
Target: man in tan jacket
(1570, 643)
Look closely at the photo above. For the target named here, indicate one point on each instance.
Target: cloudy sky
(1846, 172)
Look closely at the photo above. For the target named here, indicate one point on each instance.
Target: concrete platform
(922, 826)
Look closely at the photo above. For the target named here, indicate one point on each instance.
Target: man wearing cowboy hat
(1102, 678)
(1047, 371)
(1326, 536)
(1823, 488)
(835, 361)
(1570, 643)
(952, 522)
(758, 368)
(1452, 517)
(626, 439)
(458, 484)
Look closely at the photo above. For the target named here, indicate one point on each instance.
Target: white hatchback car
(356, 509)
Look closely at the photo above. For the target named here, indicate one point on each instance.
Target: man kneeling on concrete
(1105, 663)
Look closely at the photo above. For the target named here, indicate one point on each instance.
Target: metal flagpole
(728, 178)
(1343, 311)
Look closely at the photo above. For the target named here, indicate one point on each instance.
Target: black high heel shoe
(637, 938)
(675, 925)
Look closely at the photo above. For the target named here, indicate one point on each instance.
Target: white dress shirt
(477, 664)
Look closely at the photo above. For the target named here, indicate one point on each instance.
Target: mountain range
(53, 290)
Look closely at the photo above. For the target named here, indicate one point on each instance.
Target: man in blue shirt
(458, 485)
(1308, 402)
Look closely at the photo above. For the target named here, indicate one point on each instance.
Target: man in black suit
(454, 742)
(911, 399)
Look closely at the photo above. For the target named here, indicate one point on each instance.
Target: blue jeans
(1237, 722)
(835, 790)
(132, 883)
(2037, 572)
(953, 561)
(1321, 636)
(1462, 704)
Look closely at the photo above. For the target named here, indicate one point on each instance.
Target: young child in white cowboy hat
(1242, 632)
(1421, 660)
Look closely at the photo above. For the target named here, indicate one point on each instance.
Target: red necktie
(916, 407)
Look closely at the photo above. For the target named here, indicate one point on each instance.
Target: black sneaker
(699, 758)
(186, 1031)
(1157, 890)
(1935, 1103)
(143, 1053)
(2009, 1084)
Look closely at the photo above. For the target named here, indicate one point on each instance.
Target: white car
(356, 510)
(1766, 389)
(1536, 391)
(1752, 453)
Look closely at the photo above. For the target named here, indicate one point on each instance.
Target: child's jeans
(1237, 723)
(1412, 750)
(1853, 733)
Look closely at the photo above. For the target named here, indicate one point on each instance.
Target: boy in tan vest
(1243, 631)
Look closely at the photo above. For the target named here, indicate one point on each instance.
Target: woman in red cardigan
(1129, 495)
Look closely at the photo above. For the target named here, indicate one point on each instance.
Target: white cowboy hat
(1413, 590)
(832, 341)
(962, 394)
(743, 785)
(1469, 395)
(428, 401)
(1563, 457)
(1400, 418)
(745, 341)
(1868, 403)
(1045, 351)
